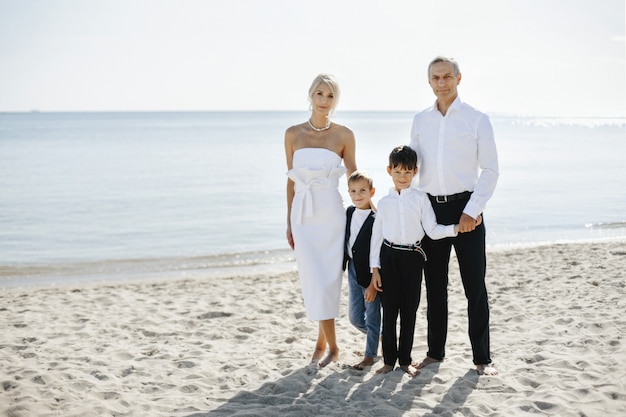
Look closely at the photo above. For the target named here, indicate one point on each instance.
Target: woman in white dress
(315, 213)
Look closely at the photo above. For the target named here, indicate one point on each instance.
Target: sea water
(90, 196)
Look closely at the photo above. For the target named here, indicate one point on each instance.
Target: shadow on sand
(306, 392)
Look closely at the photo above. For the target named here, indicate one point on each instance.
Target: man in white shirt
(458, 168)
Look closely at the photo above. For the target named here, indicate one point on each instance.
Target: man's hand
(467, 223)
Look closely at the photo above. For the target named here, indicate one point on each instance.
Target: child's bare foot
(385, 369)
(409, 369)
(426, 361)
(333, 356)
(486, 369)
(365, 363)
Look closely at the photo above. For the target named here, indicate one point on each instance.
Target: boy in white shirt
(397, 258)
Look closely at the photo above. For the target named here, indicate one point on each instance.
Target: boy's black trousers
(401, 275)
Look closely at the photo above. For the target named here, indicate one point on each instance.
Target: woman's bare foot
(385, 369)
(409, 369)
(487, 369)
(326, 337)
(426, 361)
(333, 356)
(365, 363)
(317, 355)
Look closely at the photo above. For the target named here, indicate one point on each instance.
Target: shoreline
(240, 346)
(118, 271)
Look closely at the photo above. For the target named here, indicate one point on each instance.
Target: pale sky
(524, 57)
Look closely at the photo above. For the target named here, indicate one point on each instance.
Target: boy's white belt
(414, 247)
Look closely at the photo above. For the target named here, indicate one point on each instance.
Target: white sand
(240, 346)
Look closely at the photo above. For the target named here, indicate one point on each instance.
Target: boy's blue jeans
(363, 315)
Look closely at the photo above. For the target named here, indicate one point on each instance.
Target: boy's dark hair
(361, 175)
(403, 156)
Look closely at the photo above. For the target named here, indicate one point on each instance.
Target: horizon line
(494, 113)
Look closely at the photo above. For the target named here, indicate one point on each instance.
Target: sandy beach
(240, 346)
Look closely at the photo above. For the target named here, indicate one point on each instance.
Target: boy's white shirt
(404, 218)
(358, 218)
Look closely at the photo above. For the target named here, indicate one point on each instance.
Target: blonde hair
(331, 81)
(361, 175)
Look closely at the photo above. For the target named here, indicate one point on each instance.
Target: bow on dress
(307, 179)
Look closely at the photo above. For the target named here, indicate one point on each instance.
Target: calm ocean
(100, 196)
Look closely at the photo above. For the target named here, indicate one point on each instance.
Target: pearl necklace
(320, 129)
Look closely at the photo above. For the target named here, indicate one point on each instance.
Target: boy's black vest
(360, 249)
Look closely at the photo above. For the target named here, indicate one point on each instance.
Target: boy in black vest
(365, 304)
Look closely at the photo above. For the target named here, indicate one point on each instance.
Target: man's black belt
(447, 198)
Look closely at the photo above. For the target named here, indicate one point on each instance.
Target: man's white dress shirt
(456, 153)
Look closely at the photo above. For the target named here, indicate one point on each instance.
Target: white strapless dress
(318, 222)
